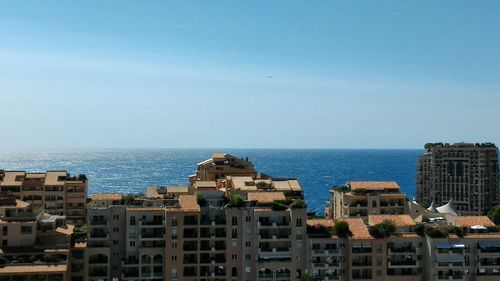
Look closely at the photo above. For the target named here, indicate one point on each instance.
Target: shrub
(278, 206)
(264, 185)
(383, 229)
(457, 230)
(341, 229)
(494, 214)
(235, 200)
(202, 201)
(420, 229)
(298, 204)
(437, 232)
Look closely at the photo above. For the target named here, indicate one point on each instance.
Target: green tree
(494, 214)
(341, 229)
(202, 201)
(383, 229)
(307, 276)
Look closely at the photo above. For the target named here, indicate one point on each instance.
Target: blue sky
(249, 74)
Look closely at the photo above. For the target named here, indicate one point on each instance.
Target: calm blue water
(130, 171)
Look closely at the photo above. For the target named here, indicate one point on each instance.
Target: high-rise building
(464, 172)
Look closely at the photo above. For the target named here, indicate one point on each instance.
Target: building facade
(464, 172)
(57, 192)
(363, 198)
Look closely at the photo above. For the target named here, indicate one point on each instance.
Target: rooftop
(107, 196)
(399, 220)
(373, 185)
(266, 197)
(468, 221)
(358, 228)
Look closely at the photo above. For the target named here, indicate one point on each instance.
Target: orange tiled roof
(266, 197)
(373, 185)
(323, 222)
(358, 228)
(468, 221)
(399, 220)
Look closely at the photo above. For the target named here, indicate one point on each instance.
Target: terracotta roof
(373, 185)
(399, 220)
(33, 268)
(323, 222)
(266, 197)
(66, 231)
(358, 228)
(468, 221)
(187, 203)
(107, 196)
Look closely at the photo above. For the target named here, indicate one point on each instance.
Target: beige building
(231, 223)
(363, 198)
(57, 192)
(35, 245)
(464, 172)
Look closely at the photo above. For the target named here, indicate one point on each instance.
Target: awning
(442, 245)
(486, 244)
(478, 227)
(451, 259)
(457, 245)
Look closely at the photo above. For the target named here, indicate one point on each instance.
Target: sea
(131, 170)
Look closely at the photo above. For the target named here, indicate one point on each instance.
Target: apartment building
(221, 165)
(57, 192)
(363, 198)
(35, 245)
(464, 172)
(228, 224)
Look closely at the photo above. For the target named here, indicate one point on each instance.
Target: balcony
(402, 264)
(151, 236)
(152, 224)
(98, 236)
(403, 250)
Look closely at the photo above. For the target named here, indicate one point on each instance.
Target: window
(4, 242)
(174, 258)
(248, 244)
(174, 245)
(5, 230)
(234, 257)
(248, 219)
(132, 243)
(116, 217)
(26, 229)
(234, 272)
(248, 257)
(298, 223)
(174, 236)
(115, 229)
(115, 242)
(234, 221)
(132, 220)
(234, 233)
